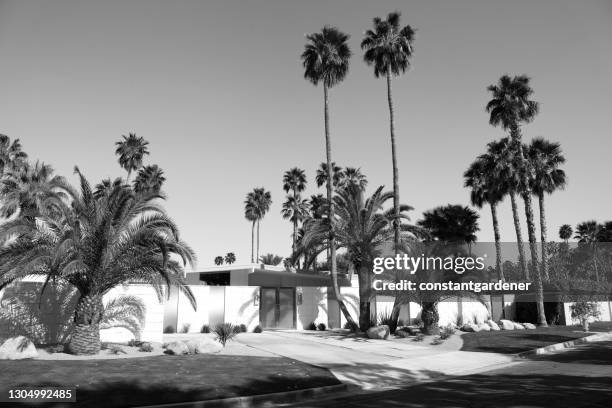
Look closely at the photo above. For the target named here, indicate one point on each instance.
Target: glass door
(277, 308)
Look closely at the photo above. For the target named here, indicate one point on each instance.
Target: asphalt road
(580, 377)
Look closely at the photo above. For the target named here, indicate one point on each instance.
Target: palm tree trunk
(515, 133)
(332, 238)
(498, 257)
(543, 238)
(253, 242)
(365, 293)
(519, 235)
(257, 259)
(430, 317)
(87, 315)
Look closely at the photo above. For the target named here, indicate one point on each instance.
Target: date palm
(321, 177)
(131, 151)
(325, 60)
(545, 158)
(150, 179)
(485, 187)
(353, 177)
(96, 244)
(12, 156)
(510, 107)
(388, 48)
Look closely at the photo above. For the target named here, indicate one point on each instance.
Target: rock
(484, 327)
(17, 348)
(378, 332)
(467, 327)
(506, 324)
(204, 345)
(402, 333)
(493, 325)
(413, 330)
(475, 328)
(177, 348)
(529, 326)
(518, 326)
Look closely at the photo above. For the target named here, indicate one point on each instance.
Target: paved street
(580, 377)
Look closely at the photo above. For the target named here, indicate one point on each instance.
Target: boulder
(506, 324)
(484, 327)
(177, 348)
(493, 325)
(518, 326)
(17, 348)
(204, 345)
(467, 327)
(529, 326)
(378, 332)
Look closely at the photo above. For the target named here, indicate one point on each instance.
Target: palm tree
(507, 175)
(321, 177)
(565, 232)
(482, 180)
(257, 204)
(218, 260)
(131, 150)
(545, 158)
(230, 258)
(364, 229)
(270, 259)
(353, 176)
(295, 209)
(317, 204)
(150, 179)
(96, 244)
(510, 107)
(389, 48)
(451, 223)
(12, 157)
(588, 233)
(250, 213)
(326, 60)
(30, 189)
(294, 180)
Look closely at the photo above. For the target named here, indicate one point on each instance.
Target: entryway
(277, 308)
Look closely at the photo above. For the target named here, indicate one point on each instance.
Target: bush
(350, 326)
(257, 329)
(225, 332)
(311, 326)
(205, 329)
(116, 350)
(169, 329)
(243, 328)
(446, 332)
(237, 329)
(583, 310)
(384, 318)
(146, 347)
(321, 326)
(419, 337)
(185, 328)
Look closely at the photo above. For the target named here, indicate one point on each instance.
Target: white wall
(313, 308)
(240, 306)
(194, 318)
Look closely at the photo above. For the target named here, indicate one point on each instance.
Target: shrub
(116, 350)
(583, 310)
(257, 329)
(419, 337)
(436, 341)
(243, 328)
(169, 329)
(225, 332)
(321, 326)
(446, 332)
(350, 326)
(146, 347)
(205, 329)
(237, 329)
(311, 326)
(185, 328)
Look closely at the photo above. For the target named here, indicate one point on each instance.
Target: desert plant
(185, 328)
(225, 332)
(386, 319)
(583, 310)
(116, 350)
(321, 326)
(169, 329)
(243, 328)
(205, 329)
(257, 329)
(351, 326)
(311, 326)
(446, 332)
(146, 347)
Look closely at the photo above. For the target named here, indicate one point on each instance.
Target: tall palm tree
(481, 178)
(96, 244)
(150, 179)
(510, 107)
(295, 209)
(12, 157)
(321, 177)
(588, 233)
(131, 151)
(30, 189)
(388, 47)
(509, 181)
(250, 213)
(326, 60)
(545, 158)
(294, 180)
(565, 232)
(364, 229)
(353, 177)
(262, 200)
(317, 204)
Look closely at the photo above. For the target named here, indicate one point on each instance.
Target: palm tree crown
(565, 232)
(131, 151)
(326, 56)
(321, 177)
(150, 179)
(451, 223)
(545, 158)
(294, 180)
(353, 177)
(388, 47)
(12, 157)
(588, 232)
(511, 105)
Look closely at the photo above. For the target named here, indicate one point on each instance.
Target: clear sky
(217, 89)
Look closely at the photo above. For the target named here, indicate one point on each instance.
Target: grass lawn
(517, 341)
(165, 379)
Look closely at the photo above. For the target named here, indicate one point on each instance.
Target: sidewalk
(374, 364)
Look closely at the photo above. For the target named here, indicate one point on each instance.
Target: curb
(261, 400)
(568, 344)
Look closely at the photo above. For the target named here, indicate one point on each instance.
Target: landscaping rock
(204, 345)
(413, 330)
(467, 327)
(378, 332)
(17, 348)
(518, 326)
(506, 324)
(529, 326)
(402, 333)
(484, 327)
(493, 325)
(177, 348)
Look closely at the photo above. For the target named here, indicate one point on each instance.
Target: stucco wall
(313, 308)
(240, 306)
